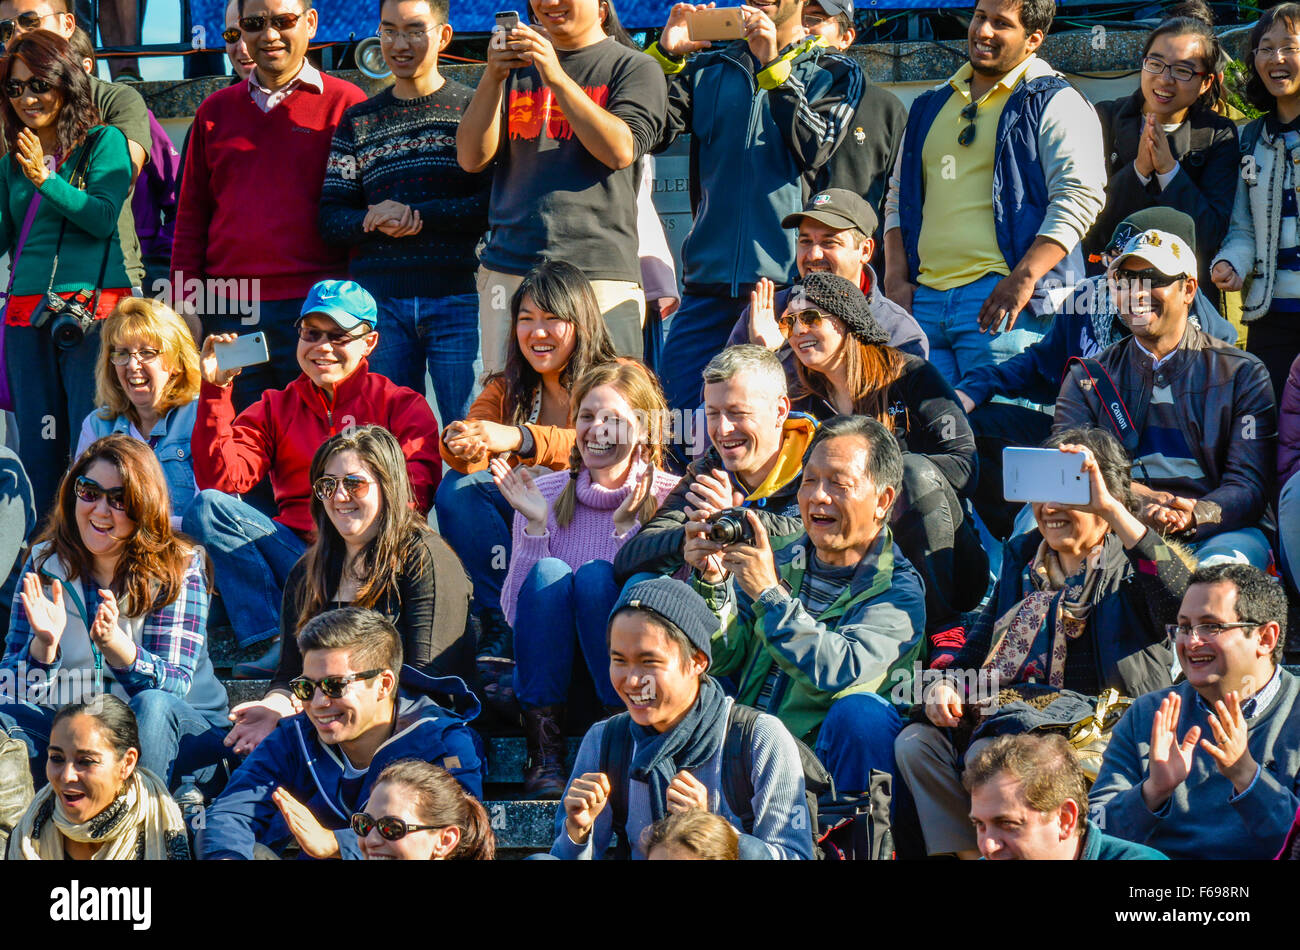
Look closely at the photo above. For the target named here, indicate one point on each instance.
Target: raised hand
(643, 473)
(1171, 760)
(583, 803)
(45, 615)
(675, 40)
(313, 837)
(1229, 749)
(208, 360)
(31, 157)
(517, 487)
(762, 316)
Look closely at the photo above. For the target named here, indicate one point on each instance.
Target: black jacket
(1206, 184)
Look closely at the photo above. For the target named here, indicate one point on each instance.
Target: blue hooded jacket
(293, 756)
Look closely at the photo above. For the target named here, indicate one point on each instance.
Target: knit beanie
(841, 298)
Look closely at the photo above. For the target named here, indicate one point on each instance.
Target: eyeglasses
(120, 357)
(810, 318)
(354, 486)
(1124, 279)
(967, 134)
(257, 24)
(14, 88)
(1203, 631)
(1261, 52)
(90, 491)
(231, 35)
(23, 23)
(390, 828)
(312, 335)
(1158, 66)
(388, 35)
(331, 686)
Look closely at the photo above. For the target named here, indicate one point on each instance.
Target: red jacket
(279, 434)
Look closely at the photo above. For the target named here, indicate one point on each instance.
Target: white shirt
(266, 100)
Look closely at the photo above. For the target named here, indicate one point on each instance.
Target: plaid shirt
(171, 640)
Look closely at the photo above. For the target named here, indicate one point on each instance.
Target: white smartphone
(1044, 475)
(717, 23)
(246, 350)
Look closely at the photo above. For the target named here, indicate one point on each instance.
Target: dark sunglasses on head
(257, 24)
(332, 686)
(24, 22)
(390, 828)
(90, 491)
(812, 319)
(1150, 277)
(312, 335)
(231, 35)
(354, 486)
(967, 135)
(14, 88)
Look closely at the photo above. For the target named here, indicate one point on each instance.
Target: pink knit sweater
(589, 537)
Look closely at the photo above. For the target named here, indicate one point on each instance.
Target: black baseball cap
(836, 208)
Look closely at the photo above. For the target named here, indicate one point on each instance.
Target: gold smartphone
(717, 23)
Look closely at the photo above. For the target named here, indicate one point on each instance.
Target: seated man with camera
(276, 437)
(818, 629)
(753, 463)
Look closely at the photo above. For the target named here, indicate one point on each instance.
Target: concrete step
(522, 827)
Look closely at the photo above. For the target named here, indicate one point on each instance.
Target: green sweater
(91, 215)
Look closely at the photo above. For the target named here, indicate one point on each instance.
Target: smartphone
(506, 21)
(717, 23)
(246, 350)
(1044, 475)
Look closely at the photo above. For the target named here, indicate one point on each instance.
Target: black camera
(730, 526)
(69, 320)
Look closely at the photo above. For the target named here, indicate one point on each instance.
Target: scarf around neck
(659, 756)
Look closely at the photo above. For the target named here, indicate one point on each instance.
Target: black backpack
(845, 813)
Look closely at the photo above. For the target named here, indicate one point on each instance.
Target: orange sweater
(551, 444)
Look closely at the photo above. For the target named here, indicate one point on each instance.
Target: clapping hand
(625, 515)
(1171, 760)
(517, 487)
(45, 615)
(763, 328)
(1229, 750)
(31, 157)
(314, 838)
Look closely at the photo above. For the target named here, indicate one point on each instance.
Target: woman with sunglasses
(58, 223)
(1261, 254)
(1081, 605)
(100, 804)
(372, 549)
(418, 812)
(845, 364)
(521, 416)
(114, 600)
(147, 383)
(1165, 145)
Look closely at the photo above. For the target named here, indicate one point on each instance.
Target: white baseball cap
(1166, 252)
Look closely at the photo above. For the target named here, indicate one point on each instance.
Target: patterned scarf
(142, 823)
(1030, 639)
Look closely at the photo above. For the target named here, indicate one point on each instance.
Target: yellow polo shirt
(958, 241)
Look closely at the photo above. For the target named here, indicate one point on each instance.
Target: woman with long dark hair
(60, 229)
(372, 550)
(114, 600)
(522, 415)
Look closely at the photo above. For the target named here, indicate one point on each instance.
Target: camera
(69, 320)
(730, 526)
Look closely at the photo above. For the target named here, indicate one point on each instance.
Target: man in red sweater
(277, 437)
(247, 248)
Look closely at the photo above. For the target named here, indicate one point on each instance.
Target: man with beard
(1197, 415)
(999, 177)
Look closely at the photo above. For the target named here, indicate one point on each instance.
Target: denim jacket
(173, 432)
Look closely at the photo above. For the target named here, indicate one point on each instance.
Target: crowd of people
(763, 563)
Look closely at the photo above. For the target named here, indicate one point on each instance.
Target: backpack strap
(615, 762)
(1112, 405)
(738, 764)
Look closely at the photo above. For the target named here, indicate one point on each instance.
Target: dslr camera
(730, 526)
(69, 320)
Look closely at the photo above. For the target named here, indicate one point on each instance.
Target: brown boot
(544, 775)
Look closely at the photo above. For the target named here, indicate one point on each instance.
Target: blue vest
(173, 448)
(1019, 187)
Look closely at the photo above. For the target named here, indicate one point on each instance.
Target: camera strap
(78, 180)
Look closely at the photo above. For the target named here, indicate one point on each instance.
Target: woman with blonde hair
(568, 526)
(146, 383)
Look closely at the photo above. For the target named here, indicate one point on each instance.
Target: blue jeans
(559, 607)
(251, 555)
(1242, 546)
(697, 332)
(475, 518)
(857, 736)
(177, 742)
(950, 321)
(440, 332)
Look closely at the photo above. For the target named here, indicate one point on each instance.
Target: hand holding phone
(224, 354)
(1045, 475)
(499, 51)
(717, 23)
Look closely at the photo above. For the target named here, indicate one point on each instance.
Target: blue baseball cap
(345, 302)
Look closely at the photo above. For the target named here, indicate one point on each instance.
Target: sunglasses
(967, 135)
(257, 24)
(354, 486)
(1150, 277)
(120, 357)
(312, 335)
(231, 35)
(24, 23)
(331, 686)
(390, 828)
(811, 319)
(90, 491)
(14, 88)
